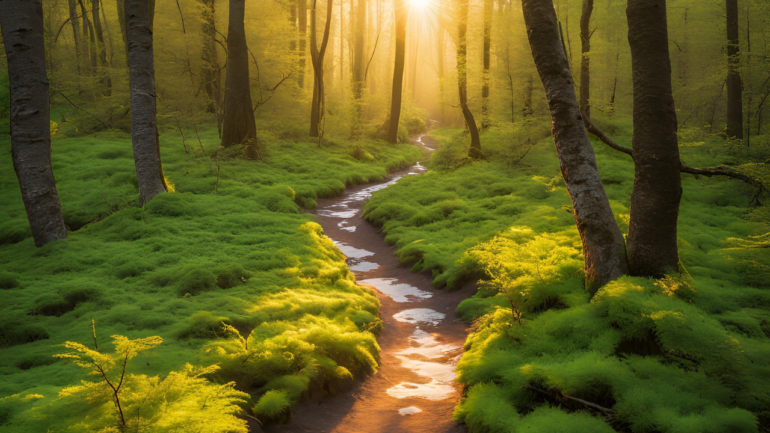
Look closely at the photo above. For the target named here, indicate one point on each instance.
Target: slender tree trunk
(359, 64)
(75, 23)
(527, 110)
(585, 62)
(239, 126)
(317, 58)
(212, 75)
(144, 130)
(401, 15)
(652, 241)
(462, 78)
(603, 246)
(122, 24)
(89, 28)
(488, 11)
(104, 72)
(302, 47)
(151, 7)
(734, 83)
(21, 22)
(342, 40)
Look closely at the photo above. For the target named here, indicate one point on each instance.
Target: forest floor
(414, 389)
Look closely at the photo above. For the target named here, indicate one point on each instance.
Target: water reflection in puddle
(363, 266)
(399, 292)
(420, 315)
(427, 358)
(352, 253)
(411, 410)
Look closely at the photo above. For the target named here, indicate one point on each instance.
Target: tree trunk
(462, 78)
(527, 110)
(302, 47)
(734, 83)
(122, 24)
(398, 70)
(75, 23)
(104, 72)
(440, 38)
(488, 10)
(141, 74)
(23, 35)
(239, 126)
(317, 58)
(212, 75)
(603, 246)
(151, 7)
(652, 242)
(585, 62)
(359, 64)
(89, 28)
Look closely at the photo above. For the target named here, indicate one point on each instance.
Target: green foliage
(8, 281)
(681, 354)
(273, 405)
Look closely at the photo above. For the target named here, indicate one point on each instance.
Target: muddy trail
(421, 342)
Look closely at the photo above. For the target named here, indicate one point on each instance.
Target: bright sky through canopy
(420, 4)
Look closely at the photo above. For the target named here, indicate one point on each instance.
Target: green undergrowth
(688, 353)
(240, 278)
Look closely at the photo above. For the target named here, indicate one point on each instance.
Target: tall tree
(585, 62)
(734, 82)
(652, 241)
(462, 78)
(122, 24)
(21, 22)
(238, 126)
(603, 245)
(302, 46)
(141, 74)
(488, 10)
(88, 29)
(401, 15)
(211, 74)
(359, 65)
(75, 24)
(317, 58)
(102, 48)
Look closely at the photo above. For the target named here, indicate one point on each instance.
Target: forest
(364, 216)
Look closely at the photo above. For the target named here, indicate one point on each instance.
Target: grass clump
(245, 255)
(273, 405)
(686, 353)
(8, 281)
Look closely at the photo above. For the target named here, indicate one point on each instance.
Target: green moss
(245, 256)
(683, 354)
(272, 405)
(8, 281)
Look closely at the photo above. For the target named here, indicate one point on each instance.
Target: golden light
(420, 4)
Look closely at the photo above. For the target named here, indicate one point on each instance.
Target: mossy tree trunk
(238, 126)
(359, 64)
(102, 48)
(397, 90)
(302, 45)
(604, 249)
(141, 74)
(462, 78)
(21, 22)
(652, 241)
(211, 74)
(585, 62)
(734, 82)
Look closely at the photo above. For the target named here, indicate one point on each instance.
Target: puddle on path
(411, 410)
(420, 315)
(399, 292)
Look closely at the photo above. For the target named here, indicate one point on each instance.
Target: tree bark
(141, 74)
(603, 245)
(734, 83)
(22, 28)
(122, 24)
(102, 48)
(398, 70)
(302, 46)
(462, 78)
(75, 23)
(239, 126)
(359, 62)
(488, 10)
(317, 58)
(652, 241)
(88, 29)
(212, 75)
(585, 62)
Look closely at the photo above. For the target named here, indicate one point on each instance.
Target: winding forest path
(414, 390)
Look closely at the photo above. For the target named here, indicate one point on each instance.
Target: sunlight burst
(420, 4)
